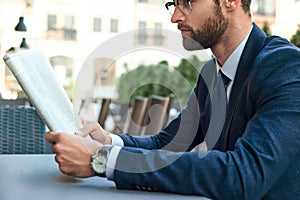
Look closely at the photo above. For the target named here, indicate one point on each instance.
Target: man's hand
(73, 153)
(95, 131)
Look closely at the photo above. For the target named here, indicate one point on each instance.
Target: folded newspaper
(35, 75)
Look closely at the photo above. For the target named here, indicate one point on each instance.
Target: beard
(209, 35)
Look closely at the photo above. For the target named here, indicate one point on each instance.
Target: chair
(104, 111)
(157, 114)
(137, 116)
(169, 106)
(21, 131)
(82, 104)
(12, 102)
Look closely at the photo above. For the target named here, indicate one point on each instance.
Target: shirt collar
(230, 66)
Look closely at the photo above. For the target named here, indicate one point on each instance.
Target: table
(37, 177)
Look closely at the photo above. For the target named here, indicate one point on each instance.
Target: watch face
(99, 164)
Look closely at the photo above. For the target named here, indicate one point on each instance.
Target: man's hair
(245, 5)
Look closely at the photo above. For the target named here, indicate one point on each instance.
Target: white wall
(287, 18)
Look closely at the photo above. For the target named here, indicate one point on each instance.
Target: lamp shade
(24, 44)
(21, 26)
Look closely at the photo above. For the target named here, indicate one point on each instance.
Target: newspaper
(35, 75)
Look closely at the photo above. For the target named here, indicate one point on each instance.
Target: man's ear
(232, 4)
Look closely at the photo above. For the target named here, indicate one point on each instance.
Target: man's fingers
(88, 129)
(50, 137)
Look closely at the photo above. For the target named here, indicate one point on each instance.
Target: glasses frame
(182, 7)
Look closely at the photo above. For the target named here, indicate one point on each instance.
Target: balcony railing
(62, 34)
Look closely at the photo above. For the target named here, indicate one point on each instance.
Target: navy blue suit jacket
(258, 156)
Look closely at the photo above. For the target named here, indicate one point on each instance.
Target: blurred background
(68, 31)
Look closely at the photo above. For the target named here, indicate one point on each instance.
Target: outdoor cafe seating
(21, 128)
(27, 166)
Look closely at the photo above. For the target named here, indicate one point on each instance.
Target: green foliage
(296, 38)
(267, 29)
(160, 79)
(189, 68)
(21, 94)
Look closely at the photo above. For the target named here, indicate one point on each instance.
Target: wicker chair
(21, 131)
(13, 102)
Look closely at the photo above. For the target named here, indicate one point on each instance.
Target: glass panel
(263, 7)
(158, 2)
(51, 22)
(158, 37)
(114, 25)
(69, 22)
(142, 35)
(97, 24)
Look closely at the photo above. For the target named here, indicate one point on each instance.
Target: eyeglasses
(185, 6)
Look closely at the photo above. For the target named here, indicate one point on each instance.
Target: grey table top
(37, 177)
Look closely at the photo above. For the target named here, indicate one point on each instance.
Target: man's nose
(177, 16)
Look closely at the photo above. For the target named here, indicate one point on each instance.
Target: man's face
(203, 28)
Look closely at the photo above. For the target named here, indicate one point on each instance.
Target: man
(257, 153)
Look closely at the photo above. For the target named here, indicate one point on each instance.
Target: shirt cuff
(116, 140)
(111, 162)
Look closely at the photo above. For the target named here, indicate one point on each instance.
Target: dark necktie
(226, 81)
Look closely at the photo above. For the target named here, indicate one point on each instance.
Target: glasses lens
(185, 6)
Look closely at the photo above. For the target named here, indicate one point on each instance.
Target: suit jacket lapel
(253, 46)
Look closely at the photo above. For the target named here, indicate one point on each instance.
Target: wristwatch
(99, 160)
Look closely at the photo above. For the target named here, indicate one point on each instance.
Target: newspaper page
(34, 73)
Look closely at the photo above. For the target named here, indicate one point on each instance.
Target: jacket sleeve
(258, 161)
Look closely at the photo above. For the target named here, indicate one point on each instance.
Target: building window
(52, 20)
(105, 69)
(63, 66)
(158, 2)
(97, 25)
(158, 37)
(69, 22)
(69, 28)
(142, 34)
(263, 7)
(113, 25)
